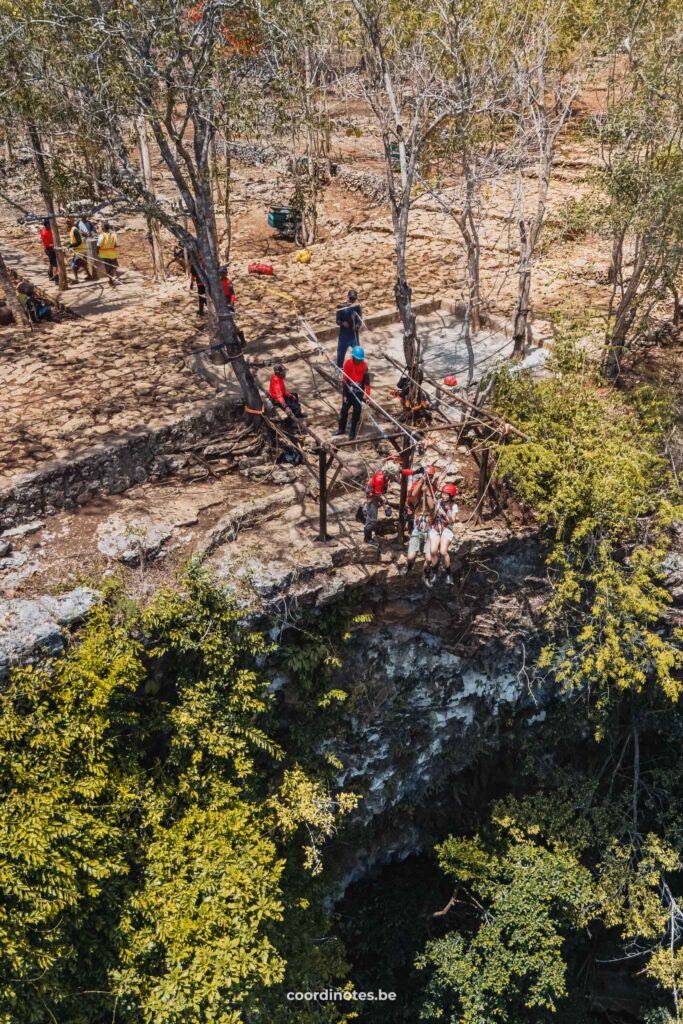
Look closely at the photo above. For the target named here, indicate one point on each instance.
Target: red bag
(260, 268)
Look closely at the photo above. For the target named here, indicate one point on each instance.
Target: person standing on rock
(108, 252)
(355, 390)
(48, 240)
(441, 534)
(349, 320)
(374, 497)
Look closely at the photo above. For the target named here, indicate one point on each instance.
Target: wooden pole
(322, 493)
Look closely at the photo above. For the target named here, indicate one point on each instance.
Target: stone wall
(136, 456)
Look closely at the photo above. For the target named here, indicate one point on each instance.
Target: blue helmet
(358, 352)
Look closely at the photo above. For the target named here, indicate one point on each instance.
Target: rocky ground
(122, 365)
(127, 361)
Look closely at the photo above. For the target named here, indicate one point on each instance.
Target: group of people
(431, 512)
(80, 230)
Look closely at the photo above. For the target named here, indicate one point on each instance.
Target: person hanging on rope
(349, 320)
(374, 496)
(280, 396)
(420, 502)
(355, 390)
(48, 240)
(441, 533)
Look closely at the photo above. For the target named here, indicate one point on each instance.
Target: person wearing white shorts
(441, 534)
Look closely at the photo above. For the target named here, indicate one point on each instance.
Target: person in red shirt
(284, 399)
(355, 390)
(374, 496)
(48, 240)
(228, 289)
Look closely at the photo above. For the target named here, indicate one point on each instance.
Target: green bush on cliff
(594, 475)
(153, 852)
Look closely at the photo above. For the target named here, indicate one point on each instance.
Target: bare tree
(180, 69)
(546, 84)
(641, 138)
(401, 90)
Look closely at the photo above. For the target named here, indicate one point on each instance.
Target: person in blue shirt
(349, 320)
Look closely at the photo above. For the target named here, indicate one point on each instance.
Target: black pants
(293, 405)
(352, 400)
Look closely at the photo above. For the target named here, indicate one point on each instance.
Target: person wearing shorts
(441, 533)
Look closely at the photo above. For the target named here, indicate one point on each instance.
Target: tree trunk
(625, 313)
(411, 347)
(470, 235)
(153, 231)
(46, 191)
(222, 324)
(519, 333)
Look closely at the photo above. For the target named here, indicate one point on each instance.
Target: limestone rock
(133, 540)
(29, 627)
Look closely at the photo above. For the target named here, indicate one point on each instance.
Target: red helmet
(450, 381)
(449, 489)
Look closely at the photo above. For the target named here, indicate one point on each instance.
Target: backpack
(76, 237)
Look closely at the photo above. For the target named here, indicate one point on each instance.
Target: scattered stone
(16, 568)
(24, 530)
(134, 540)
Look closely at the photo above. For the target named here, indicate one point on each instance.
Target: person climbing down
(284, 399)
(349, 320)
(108, 252)
(78, 250)
(374, 496)
(48, 240)
(355, 390)
(420, 502)
(441, 533)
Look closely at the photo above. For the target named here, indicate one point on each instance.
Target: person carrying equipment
(284, 399)
(355, 390)
(108, 252)
(48, 240)
(78, 250)
(374, 496)
(420, 502)
(349, 320)
(441, 533)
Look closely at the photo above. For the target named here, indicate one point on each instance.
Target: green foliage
(592, 472)
(151, 851)
(525, 898)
